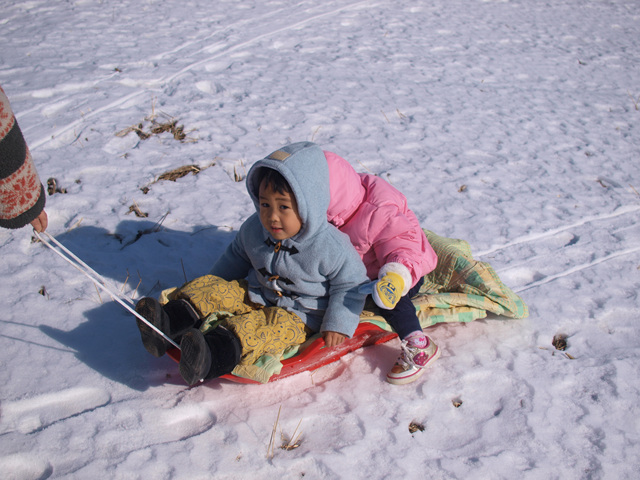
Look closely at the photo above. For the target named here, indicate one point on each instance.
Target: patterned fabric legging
(261, 330)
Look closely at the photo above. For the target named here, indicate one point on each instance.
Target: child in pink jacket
(395, 251)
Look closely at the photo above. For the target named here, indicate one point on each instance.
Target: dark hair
(274, 179)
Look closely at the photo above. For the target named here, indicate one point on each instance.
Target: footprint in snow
(24, 466)
(155, 426)
(33, 414)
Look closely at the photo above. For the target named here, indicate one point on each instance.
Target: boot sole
(152, 311)
(195, 357)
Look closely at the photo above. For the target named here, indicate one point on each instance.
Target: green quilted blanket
(460, 289)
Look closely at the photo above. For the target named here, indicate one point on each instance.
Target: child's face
(278, 213)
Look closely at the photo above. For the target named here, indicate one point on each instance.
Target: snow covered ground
(514, 125)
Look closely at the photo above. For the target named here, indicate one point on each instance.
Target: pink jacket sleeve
(378, 221)
(396, 237)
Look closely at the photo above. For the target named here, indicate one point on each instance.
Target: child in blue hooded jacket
(287, 273)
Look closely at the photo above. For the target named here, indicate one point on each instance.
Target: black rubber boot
(208, 356)
(183, 317)
(173, 319)
(226, 351)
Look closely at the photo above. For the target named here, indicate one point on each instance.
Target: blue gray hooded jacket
(317, 272)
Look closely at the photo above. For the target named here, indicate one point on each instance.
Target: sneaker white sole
(403, 379)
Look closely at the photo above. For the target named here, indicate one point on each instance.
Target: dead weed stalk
(170, 125)
(176, 173)
(238, 177)
(635, 100)
(291, 443)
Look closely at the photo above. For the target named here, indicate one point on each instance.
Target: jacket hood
(347, 191)
(304, 167)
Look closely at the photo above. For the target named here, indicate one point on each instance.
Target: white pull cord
(97, 280)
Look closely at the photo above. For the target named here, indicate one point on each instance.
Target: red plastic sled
(315, 355)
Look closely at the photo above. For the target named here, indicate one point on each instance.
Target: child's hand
(331, 339)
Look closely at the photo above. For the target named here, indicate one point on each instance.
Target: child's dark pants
(403, 318)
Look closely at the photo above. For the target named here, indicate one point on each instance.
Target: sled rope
(97, 279)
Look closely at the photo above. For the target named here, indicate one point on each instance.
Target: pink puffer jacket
(378, 221)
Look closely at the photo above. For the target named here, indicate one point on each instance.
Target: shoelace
(408, 353)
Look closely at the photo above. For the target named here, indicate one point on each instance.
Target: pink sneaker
(418, 352)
